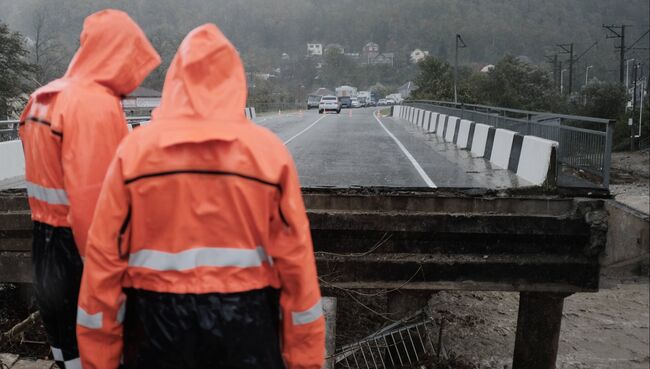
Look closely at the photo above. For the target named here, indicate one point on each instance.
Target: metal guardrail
(585, 143)
(402, 346)
(9, 128)
(261, 107)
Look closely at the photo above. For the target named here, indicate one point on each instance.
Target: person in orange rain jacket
(70, 130)
(200, 253)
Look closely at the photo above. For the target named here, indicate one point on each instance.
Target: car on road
(313, 101)
(329, 103)
(382, 102)
(356, 103)
(390, 102)
(346, 101)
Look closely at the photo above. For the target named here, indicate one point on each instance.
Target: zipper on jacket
(120, 237)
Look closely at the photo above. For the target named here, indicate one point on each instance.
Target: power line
(618, 31)
(586, 51)
(639, 39)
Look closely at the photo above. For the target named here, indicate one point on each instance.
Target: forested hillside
(263, 29)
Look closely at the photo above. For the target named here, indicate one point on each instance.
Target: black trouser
(207, 331)
(57, 275)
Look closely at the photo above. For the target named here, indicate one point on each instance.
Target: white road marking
(304, 130)
(410, 157)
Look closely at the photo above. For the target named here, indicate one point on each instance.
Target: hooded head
(205, 80)
(113, 52)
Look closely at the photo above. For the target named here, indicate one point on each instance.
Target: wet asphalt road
(356, 148)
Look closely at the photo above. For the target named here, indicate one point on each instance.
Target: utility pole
(636, 77)
(555, 69)
(618, 32)
(459, 44)
(559, 77)
(562, 81)
(627, 75)
(553, 61)
(587, 82)
(568, 49)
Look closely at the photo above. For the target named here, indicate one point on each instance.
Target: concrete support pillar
(538, 330)
(329, 310)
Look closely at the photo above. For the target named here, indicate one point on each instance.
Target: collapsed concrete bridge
(544, 246)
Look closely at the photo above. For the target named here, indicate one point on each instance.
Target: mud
(604, 330)
(14, 308)
(630, 179)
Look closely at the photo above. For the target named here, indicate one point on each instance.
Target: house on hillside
(369, 52)
(142, 101)
(383, 59)
(334, 47)
(315, 49)
(418, 55)
(487, 68)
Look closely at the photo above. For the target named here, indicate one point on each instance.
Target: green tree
(435, 81)
(16, 71)
(517, 85)
(337, 69)
(603, 100)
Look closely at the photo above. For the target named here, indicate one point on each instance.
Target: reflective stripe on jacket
(201, 200)
(71, 127)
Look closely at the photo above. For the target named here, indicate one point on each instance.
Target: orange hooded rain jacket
(71, 127)
(200, 200)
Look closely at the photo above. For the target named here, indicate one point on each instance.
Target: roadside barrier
(442, 126)
(536, 160)
(250, 113)
(531, 158)
(427, 120)
(450, 132)
(501, 148)
(434, 122)
(462, 139)
(13, 162)
(423, 113)
(482, 134)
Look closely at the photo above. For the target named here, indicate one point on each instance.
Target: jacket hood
(205, 80)
(113, 52)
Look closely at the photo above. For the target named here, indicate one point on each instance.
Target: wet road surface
(358, 148)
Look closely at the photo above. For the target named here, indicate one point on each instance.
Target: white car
(329, 103)
(382, 102)
(356, 103)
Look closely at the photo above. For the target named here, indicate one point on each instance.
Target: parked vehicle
(382, 102)
(390, 102)
(329, 103)
(346, 101)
